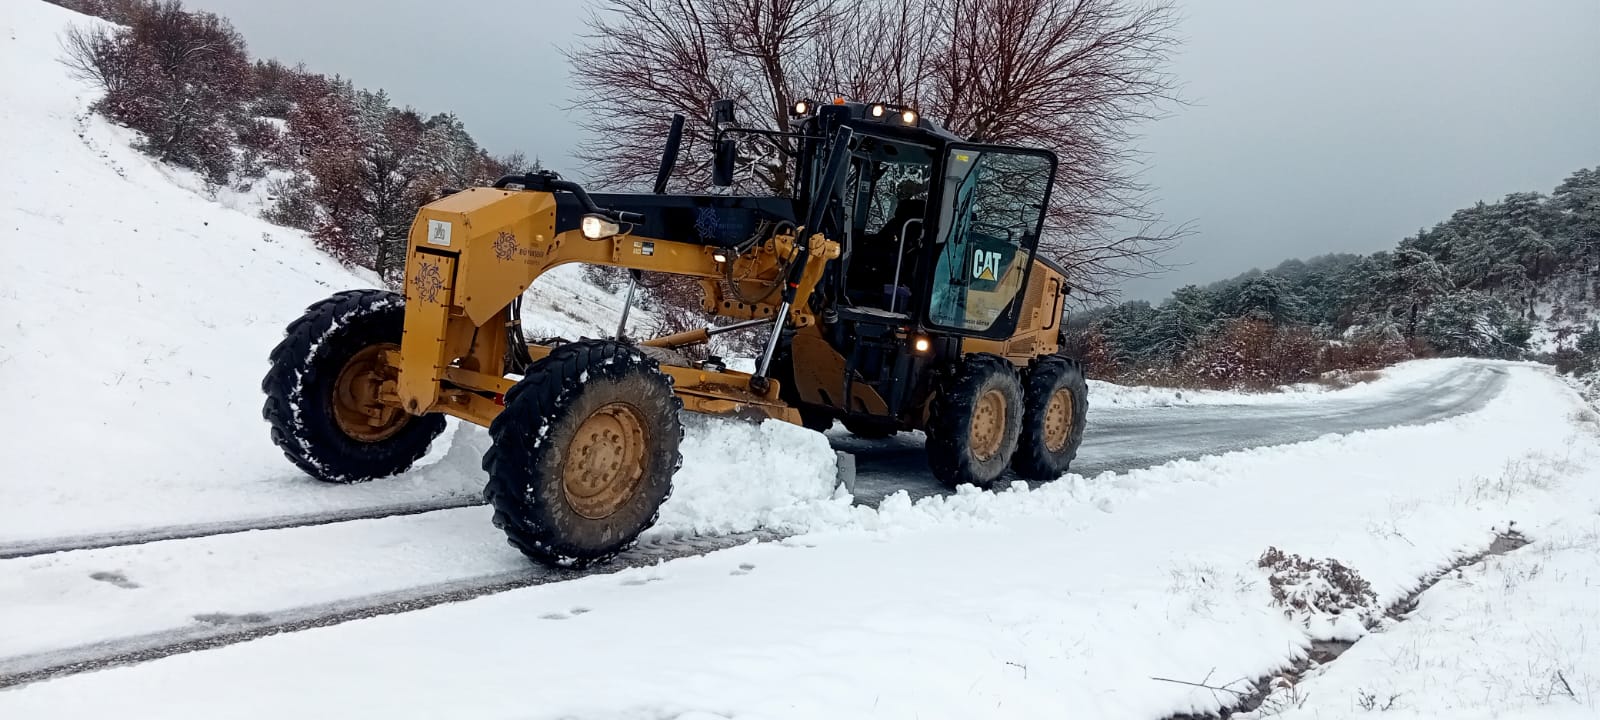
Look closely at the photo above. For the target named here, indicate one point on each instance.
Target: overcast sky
(1313, 126)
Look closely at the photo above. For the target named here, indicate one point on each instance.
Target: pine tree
(1418, 279)
(1265, 297)
(1575, 207)
(1178, 324)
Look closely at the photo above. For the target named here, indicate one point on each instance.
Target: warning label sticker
(438, 233)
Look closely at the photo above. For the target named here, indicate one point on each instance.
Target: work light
(878, 110)
(801, 107)
(908, 116)
(599, 227)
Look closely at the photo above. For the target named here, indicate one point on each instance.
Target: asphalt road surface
(1126, 438)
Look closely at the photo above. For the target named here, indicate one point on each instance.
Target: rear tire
(323, 379)
(975, 421)
(1057, 403)
(584, 453)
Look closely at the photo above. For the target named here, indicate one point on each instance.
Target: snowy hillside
(138, 317)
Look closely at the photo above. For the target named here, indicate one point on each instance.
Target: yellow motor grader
(898, 289)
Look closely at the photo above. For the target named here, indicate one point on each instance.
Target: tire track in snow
(97, 541)
(222, 630)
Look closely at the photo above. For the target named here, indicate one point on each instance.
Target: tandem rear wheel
(1056, 404)
(987, 417)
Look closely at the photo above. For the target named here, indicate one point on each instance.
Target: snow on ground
(1067, 599)
(1588, 386)
(138, 317)
(1514, 636)
(737, 478)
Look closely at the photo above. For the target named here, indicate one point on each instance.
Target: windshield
(995, 206)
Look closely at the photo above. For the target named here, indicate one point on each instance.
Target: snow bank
(1105, 394)
(1510, 637)
(739, 476)
(1012, 604)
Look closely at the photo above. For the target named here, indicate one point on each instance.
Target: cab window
(891, 183)
(992, 206)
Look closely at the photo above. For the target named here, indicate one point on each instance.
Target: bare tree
(178, 77)
(1074, 76)
(95, 54)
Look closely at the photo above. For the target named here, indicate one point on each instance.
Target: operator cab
(938, 238)
(938, 233)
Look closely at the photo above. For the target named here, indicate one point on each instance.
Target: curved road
(1115, 439)
(1119, 439)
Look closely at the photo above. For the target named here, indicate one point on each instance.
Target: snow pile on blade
(738, 477)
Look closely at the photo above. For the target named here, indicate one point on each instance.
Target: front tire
(584, 453)
(1057, 398)
(322, 391)
(975, 421)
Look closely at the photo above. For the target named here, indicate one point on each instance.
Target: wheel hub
(356, 408)
(606, 461)
(1058, 420)
(988, 424)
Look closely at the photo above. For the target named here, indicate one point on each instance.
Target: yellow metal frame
(471, 254)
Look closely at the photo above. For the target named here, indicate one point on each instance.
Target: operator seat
(872, 275)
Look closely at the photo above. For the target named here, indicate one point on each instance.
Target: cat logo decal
(985, 265)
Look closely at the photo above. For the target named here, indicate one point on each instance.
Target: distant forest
(1518, 278)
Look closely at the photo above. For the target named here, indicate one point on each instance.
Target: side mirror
(725, 153)
(669, 155)
(722, 163)
(721, 114)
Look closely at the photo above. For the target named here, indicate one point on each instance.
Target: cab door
(992, 202)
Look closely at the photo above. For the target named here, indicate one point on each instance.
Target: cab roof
(858, 117)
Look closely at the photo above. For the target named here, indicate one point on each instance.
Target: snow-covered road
(1020, 603)
(76, 610)
(1120, 438)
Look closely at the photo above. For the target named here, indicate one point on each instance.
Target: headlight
(800, 108)
(599, 227)
(908, 117)
(878, 110)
